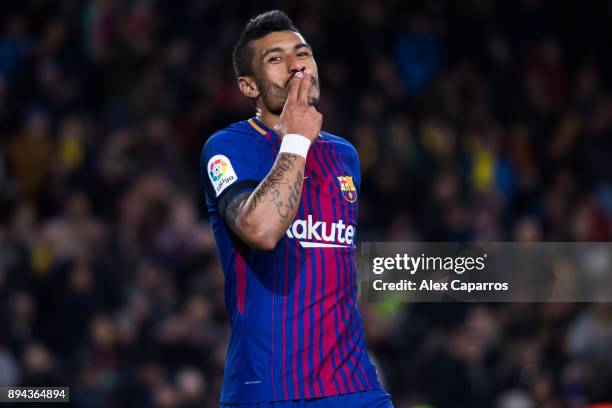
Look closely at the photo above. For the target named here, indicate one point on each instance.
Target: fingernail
(308, 71)
(299, 75)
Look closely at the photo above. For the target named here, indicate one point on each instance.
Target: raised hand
(298, 116)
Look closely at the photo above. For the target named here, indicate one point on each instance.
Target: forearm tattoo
(270, 190)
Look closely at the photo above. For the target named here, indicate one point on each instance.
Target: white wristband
(296, 144)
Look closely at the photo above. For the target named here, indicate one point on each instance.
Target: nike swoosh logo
(305, 177)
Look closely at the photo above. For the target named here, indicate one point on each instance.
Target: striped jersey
(296, 332)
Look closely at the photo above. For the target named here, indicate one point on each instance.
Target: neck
(267, 118)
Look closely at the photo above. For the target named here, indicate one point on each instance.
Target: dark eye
(303, 54)
(275, 59)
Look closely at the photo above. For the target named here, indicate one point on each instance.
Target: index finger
(294, 86)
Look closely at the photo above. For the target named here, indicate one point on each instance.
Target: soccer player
(282, 197)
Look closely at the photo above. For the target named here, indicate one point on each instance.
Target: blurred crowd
(475, 120)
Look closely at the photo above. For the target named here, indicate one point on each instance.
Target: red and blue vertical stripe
(296, 329)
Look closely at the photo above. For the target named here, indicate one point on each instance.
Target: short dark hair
(256, 28)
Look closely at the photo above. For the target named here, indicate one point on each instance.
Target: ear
(248, 87)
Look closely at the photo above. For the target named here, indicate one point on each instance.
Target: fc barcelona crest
(348, 188)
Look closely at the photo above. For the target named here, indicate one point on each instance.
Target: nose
(296, 65)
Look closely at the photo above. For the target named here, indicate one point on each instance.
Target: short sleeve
(228, 167)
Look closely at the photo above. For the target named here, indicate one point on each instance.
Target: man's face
(277, 57)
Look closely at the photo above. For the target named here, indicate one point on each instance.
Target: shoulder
(340, 143)
(236, 139)
(234, 133)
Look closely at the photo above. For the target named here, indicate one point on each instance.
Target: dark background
(474, 120)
